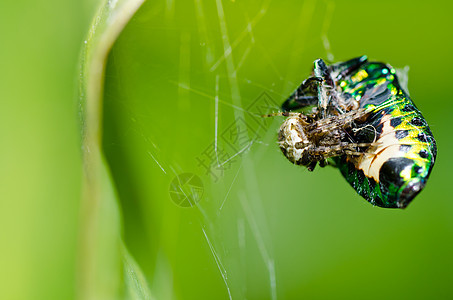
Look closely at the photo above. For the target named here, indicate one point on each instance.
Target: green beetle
(363, 122)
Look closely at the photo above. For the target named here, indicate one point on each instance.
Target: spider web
(233, 218)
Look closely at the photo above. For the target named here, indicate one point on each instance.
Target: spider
(308, 139)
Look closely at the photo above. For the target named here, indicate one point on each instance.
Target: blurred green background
(186, 80)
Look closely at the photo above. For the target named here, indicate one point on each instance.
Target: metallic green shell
(393, 173)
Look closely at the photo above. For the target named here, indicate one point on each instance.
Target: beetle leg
(321, 70)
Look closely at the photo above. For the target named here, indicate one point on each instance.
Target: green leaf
(106, 269)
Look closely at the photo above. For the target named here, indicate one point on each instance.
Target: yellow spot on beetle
(362, 74)
(406, 173)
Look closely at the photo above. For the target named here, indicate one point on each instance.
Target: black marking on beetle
(417, 121)
(365, 134)
(423, 153)
(388, 110)
(405, 148)
(389, 174)
(395, 122)
(418, 169)
(422, 137)
(376, 95)
(401, 134)
(379, 129)
(408, 108)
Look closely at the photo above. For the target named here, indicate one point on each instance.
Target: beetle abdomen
(394, 171)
